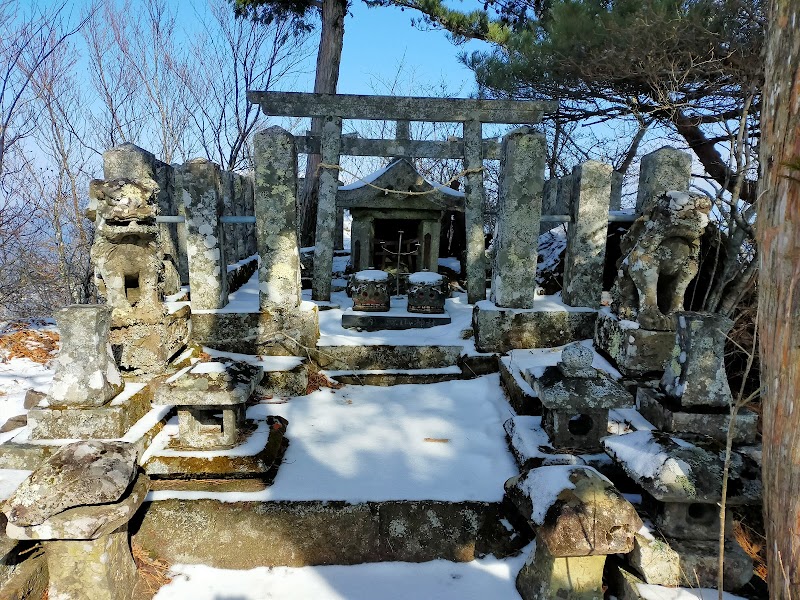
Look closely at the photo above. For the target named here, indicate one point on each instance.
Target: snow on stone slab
(657, 592)
(486, 578)
(425, 277)
(10, 480)
(206, 368)
(544, 484)
(442, 441)
(450, 262)
(644, 458)
(268, 363)
(17, 376)
(372, 275)
(536, 360)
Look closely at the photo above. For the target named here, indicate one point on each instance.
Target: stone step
(226, 529)
(360, 358)
(389, 377)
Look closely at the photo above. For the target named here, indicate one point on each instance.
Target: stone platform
(499, 329)
(634, 351)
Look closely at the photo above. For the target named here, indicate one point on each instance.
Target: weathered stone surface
(385, 357)
(110, 421)
(545, 576)
(660, 171)
(326, 208)
(378, 322)
(502, 329)
(126, 252)
(370, 291)
(673, 470)
(695, 375)
(558, 392)
(577, 511)
(87, 522)
(576, 361)
(656, 409)
(276, 200)
(101, 569)
(215, 383)
(519, 210)
(146, 348)
(586, 236)
(659, 258)
(291, 382)
(687, 521)
(689, 563)
(274, 333)
(85, 371)
(79, 474)
(634, 351)
(473, 212)
(205, 247)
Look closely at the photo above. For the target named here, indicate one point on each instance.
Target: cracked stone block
(635, 351)
(688, 521)
(695, 374)
(85, 372)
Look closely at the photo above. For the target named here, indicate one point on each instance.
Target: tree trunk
(779, 296)
(328, 59)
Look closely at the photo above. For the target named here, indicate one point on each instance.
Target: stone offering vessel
(370, 290)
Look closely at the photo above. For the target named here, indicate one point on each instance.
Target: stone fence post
(519, 211)
(586, 235)
(661, 171)
(205, 247)
(275, 202)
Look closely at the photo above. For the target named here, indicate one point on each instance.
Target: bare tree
(228, 58)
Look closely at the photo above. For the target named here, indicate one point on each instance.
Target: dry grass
(754, 544)
(317, 380)
(152, 570)
(33, 344)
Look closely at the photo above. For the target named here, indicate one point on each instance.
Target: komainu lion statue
(659, 258)
(126, 252)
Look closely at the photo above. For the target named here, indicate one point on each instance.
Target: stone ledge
(500, 329)
(377, 322)
(633, 351)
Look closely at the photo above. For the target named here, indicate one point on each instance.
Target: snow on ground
(441, 441)
(439, 579)
(17, 376)
(657, 592)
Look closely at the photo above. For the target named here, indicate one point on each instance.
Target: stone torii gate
(330, 145)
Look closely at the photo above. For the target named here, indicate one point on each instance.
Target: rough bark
(327, 77)
(779, 296)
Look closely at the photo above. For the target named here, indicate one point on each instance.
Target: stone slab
(292, 382)
(502, 329)
(521, 396)
(263, 462)
(209, 384)
(386, 357)
(245, 535)
(105, 422)
(377, 322)
(649, 404)
(272, 333)
(634, 351)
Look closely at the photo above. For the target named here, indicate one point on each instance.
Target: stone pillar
(549, 198)
(326, 209)
(205, 247)
(695, 376)
(587, 234)
(617, 180)
(338, 233)
(182, 262)
(128, 161)
(361, 233)
(228, 210)
(473, 212)
(85, 372)
(564, 195)
(519, 209)
(240, 204)
(250, 209)
(661, 171)
(276, 199)
(429, 246)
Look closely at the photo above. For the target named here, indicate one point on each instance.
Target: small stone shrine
(391, 225)
(659, 259)
(576, 398)
(579, 518)
(370, 291)
(694, 396)
(78, 504)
